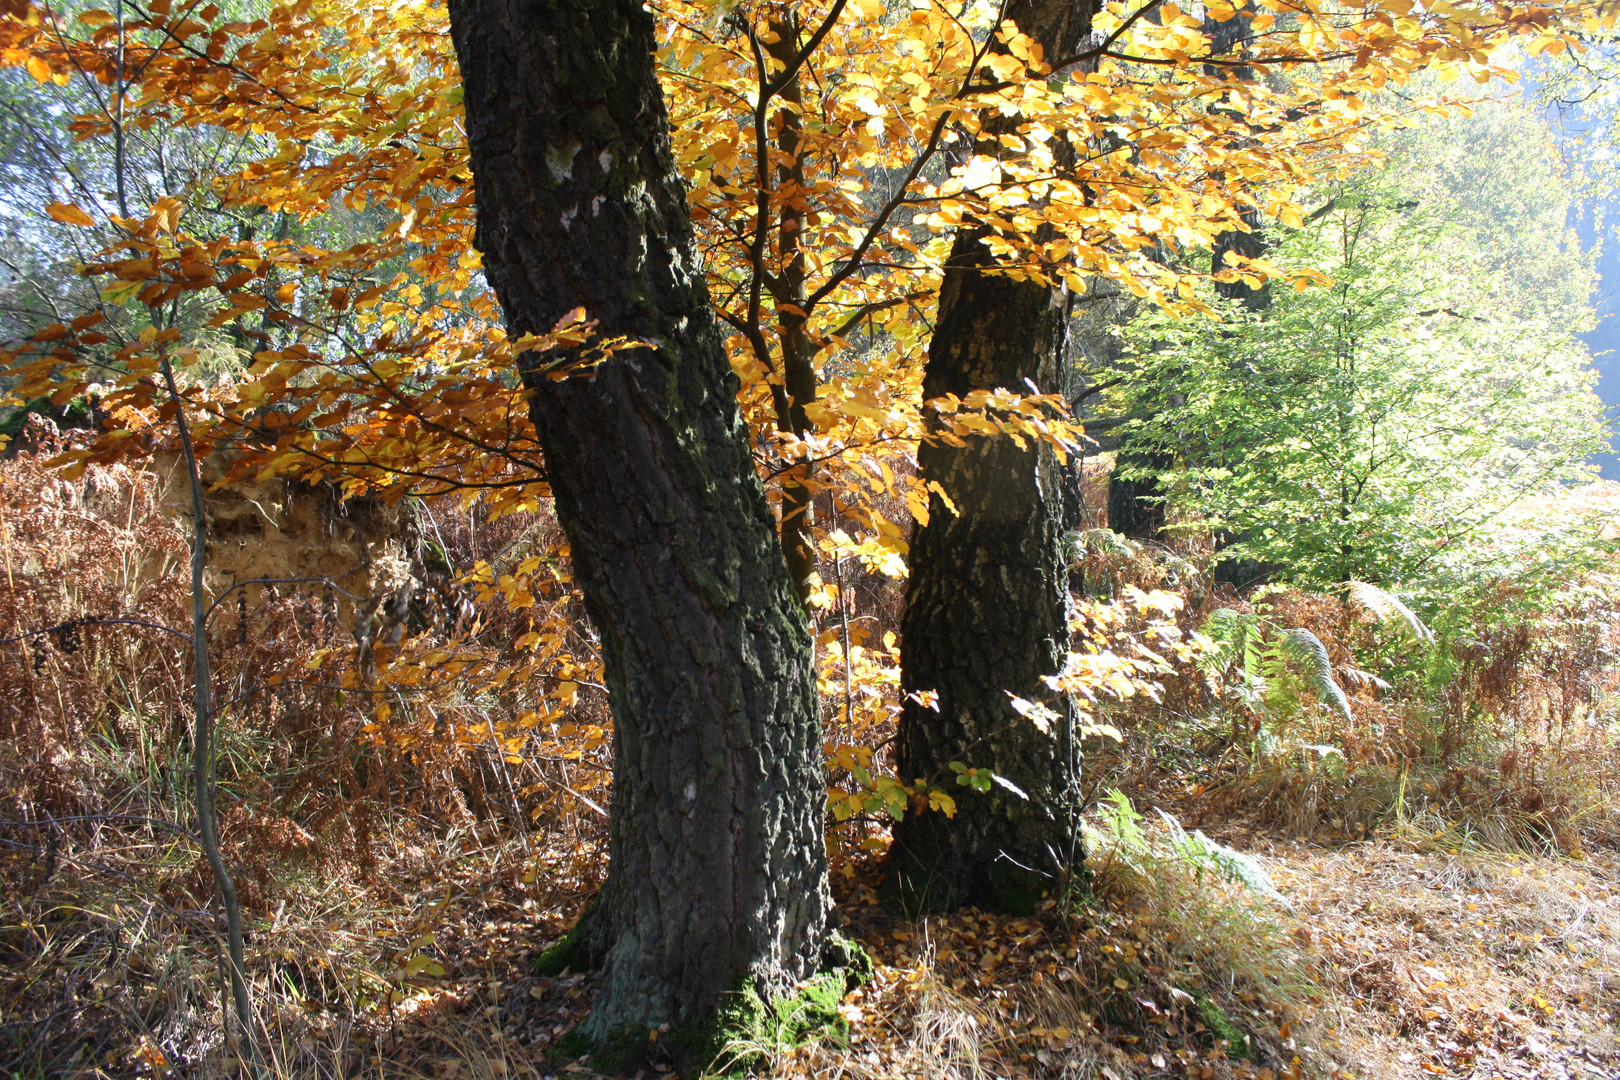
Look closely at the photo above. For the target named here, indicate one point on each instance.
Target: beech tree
(836, 156)
(985, 628)
(1136, 499)
(1385, 429)
(718, 871)
(986, 612)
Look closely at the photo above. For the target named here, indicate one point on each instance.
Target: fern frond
(1202, 853)
(1307, 650)
(1232, 633)
(1077, 544)
(1389, 609)
(1223, 624)
(1363, 678)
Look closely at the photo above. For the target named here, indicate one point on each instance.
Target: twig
(202, 755)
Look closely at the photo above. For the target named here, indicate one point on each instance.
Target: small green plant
(750, 1030)
(1270, 669)
(1126, 841)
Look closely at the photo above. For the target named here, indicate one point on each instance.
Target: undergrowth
(402, 872)
(1348, 715)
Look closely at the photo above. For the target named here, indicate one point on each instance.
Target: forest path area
(1384, 959)
(1417, 961)
(1479, 964)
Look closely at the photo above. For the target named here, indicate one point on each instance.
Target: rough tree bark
(718, 866)
(987, 606)
(1136, 503)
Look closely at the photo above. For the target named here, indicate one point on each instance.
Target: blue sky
(1586, 141)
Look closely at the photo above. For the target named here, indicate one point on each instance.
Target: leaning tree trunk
(718, 871)
(987, 607)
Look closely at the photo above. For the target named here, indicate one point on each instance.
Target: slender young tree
(987, 606)
(1136, 499)
(1231, 37)
(718, 871)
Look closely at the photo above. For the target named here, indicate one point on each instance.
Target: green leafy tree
(1367, 429)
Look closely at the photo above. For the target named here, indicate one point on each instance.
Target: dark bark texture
(1136, 503)
(718, 865)
(1225, 39)
(799, 379)
(987, 605)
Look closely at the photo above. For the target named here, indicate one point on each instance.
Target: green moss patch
(741, 1033)
(1223, 1030)
(746, 1029)
(568, 953)
(573, 951)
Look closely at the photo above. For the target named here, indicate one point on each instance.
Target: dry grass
(1465, 965)
(386, 975)
(350, 841)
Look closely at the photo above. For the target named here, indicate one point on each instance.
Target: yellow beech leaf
(67, 213)
(120, 292)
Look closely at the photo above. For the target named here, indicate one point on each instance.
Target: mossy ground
(746, 1029)
(571, 952)
(1223, 1030)
(565, 954)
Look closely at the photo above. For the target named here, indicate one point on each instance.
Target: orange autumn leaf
(69, 214)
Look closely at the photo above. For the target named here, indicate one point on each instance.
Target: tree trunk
(1226, 37)
(1136, 505)
(718, 867)
(987, 607)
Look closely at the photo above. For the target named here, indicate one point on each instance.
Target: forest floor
(1449, 963)
(1389, 958)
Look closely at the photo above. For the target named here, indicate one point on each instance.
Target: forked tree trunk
(987, 607)
(718, 868)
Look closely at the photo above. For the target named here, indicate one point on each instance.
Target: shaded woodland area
(859, 538)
